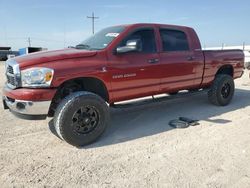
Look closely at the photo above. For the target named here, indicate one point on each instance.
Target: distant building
(28, 50)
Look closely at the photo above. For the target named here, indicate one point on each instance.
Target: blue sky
(60, 23)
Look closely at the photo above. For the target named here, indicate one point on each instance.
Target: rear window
(174, 40)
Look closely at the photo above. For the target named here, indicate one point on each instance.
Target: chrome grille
(12, 74)
(11, 80)
(10, 69)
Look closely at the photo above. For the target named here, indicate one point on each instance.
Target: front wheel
(81, 118)
(222, 90)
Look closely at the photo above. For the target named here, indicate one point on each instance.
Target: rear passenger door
(178, 61)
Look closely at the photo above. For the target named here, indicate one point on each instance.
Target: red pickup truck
(77, 85)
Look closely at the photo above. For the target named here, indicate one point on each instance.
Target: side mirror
(131, 46)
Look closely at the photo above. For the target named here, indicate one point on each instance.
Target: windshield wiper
(82, 46)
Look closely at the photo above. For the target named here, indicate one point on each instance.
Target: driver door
(136, 73)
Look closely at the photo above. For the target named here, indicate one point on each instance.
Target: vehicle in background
(77, 85)
(11, 56)
(5, 52)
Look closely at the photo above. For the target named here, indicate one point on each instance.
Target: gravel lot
(139, 149)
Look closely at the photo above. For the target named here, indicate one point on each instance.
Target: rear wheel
(222, 90)
(81, 118)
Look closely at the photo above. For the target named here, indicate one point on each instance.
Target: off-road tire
(217, 95)
(65, 112)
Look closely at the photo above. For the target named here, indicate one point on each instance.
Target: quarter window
(174, 40)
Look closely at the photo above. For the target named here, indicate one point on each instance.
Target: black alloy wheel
(85, 119)
(225, 90)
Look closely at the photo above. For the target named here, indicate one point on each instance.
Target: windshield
(101, 39)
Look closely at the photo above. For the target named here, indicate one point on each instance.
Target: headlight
(37, 77)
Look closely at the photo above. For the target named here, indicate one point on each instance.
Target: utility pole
(29, 41)
(93, 21)
(223, 45)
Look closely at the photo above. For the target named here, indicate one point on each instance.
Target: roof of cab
(154, 24)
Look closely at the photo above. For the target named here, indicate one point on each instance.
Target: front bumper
(27, 109)
(28, 103)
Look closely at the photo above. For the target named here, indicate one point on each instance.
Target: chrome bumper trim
(28, 107)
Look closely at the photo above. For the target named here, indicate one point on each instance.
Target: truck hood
(56, 55)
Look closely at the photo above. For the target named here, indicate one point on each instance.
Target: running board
(152, 99)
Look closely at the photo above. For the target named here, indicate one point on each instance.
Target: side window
(147, 38)
(174, 40)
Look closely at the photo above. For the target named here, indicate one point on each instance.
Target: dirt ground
(139, 149)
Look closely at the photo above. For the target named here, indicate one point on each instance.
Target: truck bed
(215, 59)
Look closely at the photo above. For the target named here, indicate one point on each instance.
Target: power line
(35, 39)
(93, 21)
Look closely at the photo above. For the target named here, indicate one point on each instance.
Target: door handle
(153, 60)
(190, 58)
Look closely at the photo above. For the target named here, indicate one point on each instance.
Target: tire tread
(67, 102)
(212, 93)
